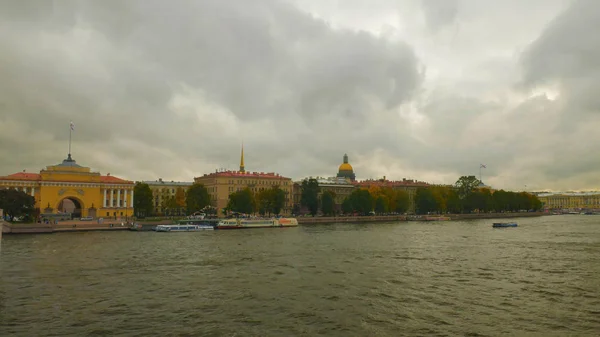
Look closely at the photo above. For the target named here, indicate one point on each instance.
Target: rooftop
(569, 194)
(161, 182)
(240, 174)
(391, 183)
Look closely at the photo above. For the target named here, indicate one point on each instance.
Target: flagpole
(479, 171)
(70, 131)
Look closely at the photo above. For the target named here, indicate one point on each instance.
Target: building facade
(71, 188)
(222, 183)
(408, 185)
(162, 191)
(341, 188)
(570, 200)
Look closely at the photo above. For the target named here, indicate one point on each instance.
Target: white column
(112, 197)
(124, 198)
(119, 198)
(131, 199)
(33, 191)
(104, 200)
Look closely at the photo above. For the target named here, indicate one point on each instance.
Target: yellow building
(408, 185)
(71, 188)
(222, 183)
(570, 200)
(162, 191)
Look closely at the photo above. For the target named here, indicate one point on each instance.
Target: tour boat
(256, 223)
(183, 228)
(504, 224)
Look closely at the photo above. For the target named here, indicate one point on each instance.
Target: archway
(71, 205)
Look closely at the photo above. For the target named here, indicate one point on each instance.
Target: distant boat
(504, 224)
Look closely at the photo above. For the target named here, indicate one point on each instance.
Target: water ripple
(386, 279)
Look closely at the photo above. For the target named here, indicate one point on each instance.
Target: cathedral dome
(345, 170)
(346, 167)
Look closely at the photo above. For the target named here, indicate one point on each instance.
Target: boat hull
(251, 223)
(179, 228)
(504, 225)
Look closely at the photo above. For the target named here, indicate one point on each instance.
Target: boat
(504, 224)
(183, 228)
(240, 223)
(436, 218)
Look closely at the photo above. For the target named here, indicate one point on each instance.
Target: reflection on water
(392, 279)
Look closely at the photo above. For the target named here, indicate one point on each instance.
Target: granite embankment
(318, 220)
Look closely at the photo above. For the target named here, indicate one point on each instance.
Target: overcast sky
(418, 89)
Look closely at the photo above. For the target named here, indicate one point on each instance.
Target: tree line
(265, 202)
(465, 196)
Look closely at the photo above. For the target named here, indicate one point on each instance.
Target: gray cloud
(171, 89)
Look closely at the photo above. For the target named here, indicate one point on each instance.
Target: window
(107, 213)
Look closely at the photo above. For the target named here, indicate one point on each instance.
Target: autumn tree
(180, 197)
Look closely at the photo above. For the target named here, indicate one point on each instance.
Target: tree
(310, 195)
(328, 203)
(401, 202)
(362, 201)
(142, 203)
(17, 203)
(347, 206)
(277, 196)
(242, 201)
(196, 198)
(465, 185)
(180, 197)
(425, 201)
(171, 205)
(380, 205)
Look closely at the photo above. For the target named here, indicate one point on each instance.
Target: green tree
(277, 196)
(380, 204)
(196, 198)
(142, 203)
(242, 201)
(328, 203)
(16, 204)
(170, 206)
(401, 202)
(347, 206)
(310, 195)
(465, 185)
(425, 201)
(362, 201)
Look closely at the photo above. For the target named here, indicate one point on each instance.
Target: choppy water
(393, 279)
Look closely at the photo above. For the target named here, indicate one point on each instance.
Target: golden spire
(242, 169)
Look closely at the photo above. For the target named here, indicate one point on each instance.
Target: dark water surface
(392, 279)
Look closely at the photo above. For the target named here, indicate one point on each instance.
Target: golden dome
(345, 167)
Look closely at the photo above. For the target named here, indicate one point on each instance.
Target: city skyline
(424, 90)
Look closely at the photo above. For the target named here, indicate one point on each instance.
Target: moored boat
(241, 223)
(504, 224)
(183, 228)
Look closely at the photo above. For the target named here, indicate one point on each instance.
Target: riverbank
(391, 218)
(71, 226)
(79, 226)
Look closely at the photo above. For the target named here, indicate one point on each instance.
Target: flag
(72, 126)
(482, 166)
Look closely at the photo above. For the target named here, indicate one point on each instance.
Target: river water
(457, 278)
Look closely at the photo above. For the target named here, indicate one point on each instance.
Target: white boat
(256, 223)
(183, 228)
